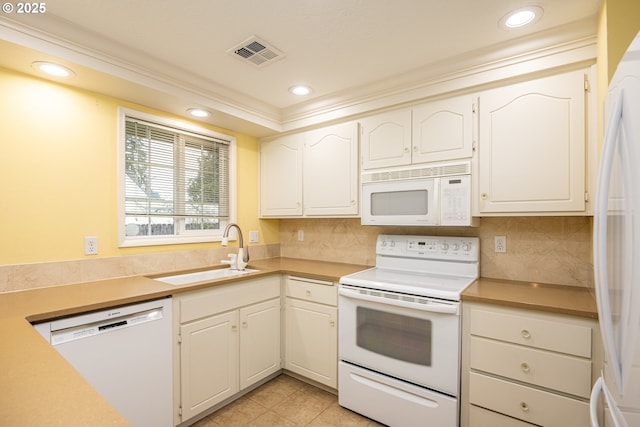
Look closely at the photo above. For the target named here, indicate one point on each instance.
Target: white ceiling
(172, 54)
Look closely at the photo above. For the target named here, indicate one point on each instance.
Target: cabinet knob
(525, 334)
(484, 196)
(308, 293)
(525, 367)
(524, 406)
(415, 148)
(332, 323)
(234, 328)
(406, 149)
(245, 324)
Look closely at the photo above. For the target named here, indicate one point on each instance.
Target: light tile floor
(285, 402)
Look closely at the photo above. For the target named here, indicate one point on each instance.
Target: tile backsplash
(539, 249)
(38, 275)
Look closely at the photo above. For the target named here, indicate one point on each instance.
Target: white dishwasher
(125, 353)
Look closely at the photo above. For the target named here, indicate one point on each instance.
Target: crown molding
(572, 45)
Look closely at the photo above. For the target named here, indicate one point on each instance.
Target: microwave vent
(463, 168)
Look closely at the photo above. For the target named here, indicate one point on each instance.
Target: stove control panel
(429, 247)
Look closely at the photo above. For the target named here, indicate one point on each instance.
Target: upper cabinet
(330, 175)
(386, 139)
(432, 132)
(532, 146)
(281, 176)
(311, 174)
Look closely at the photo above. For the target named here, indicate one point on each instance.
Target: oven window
(411, 202)
(400, 337)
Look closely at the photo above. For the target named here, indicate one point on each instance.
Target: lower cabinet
(311, 325)
(228, 339)
(524, 367)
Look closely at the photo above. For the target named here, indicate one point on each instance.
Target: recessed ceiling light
(300, 90)
(198, 112)
(52, 69)
(521, 17)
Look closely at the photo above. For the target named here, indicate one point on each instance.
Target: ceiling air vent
(257, 52)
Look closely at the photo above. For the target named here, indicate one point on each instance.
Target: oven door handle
(431, 306)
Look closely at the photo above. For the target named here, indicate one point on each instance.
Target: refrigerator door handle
(600, 241)
(593, 402)
(601, 387)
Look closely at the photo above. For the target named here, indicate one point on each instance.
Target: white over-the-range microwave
(427, 195)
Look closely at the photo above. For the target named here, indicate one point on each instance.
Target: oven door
(402, 202)
(416, 339)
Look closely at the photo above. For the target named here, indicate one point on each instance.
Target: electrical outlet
(254, 236)
(300, 235)
(91, 246)
(500, 244)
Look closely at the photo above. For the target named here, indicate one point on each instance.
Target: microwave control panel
(429, 247)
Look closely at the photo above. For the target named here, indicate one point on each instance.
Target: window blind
(176, 181)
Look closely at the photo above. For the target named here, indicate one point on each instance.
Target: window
(177, 182)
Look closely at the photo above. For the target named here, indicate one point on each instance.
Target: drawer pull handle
(524, 406)
(525, 367)
(245, 324)
(525, 334)
(332, 323)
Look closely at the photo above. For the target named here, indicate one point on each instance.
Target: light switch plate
(254, 236)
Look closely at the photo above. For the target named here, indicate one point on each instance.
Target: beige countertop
(39, 388)
(573, 300)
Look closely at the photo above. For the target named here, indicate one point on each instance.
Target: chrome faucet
(242, 259)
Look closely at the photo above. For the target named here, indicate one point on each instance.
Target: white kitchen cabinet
(443, 130)
(313, 173)
(523, 367)
(311, 342)
(259, 341)
(330, 174)
(228, 337)
(208, 362)
(386, 139)
(532, 146)
(432, 132)
(281, 176)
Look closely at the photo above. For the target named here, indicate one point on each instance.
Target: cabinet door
(259, 341)
(386, 139)
(208, 362)
(331, 170)
(442, 130)
(281, 176)
(312, 341)
(532, 146)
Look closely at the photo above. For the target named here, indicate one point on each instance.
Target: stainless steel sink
(201, 276)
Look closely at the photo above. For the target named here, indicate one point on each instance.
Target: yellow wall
(58, 173)
(623, 23)
(618, 24)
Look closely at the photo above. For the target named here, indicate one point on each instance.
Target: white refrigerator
(617, 248)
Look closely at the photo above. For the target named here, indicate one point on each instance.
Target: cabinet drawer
(218, 299)
(320, 291)
(480, 417)
(527, 404)
(536, 330)
(556, 371)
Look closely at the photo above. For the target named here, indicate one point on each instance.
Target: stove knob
(444, 246)
(466, 247)
(456, 246)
